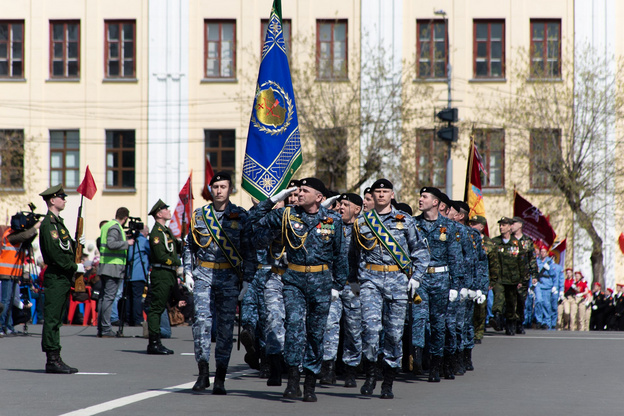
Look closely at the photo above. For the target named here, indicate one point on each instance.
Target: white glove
(355, 288)
(463, 294)
(244, 290)
(330, 201)
(189, 283)
(481, 299)
(412, 286)
(452, 295)
(82, 240)
(554, 290)
(80, 268)
(334, 295)
(282, 195)
(561, 297)
(478, 293)
(472, 295)
(561, 294)
(546, 266)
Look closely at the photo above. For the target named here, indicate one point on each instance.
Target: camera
(135, 226)
(24, 220)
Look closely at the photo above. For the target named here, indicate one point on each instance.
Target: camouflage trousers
(218, 287)
(383, 296)
(469, 328)
(306, 301)
(450, 328)
(275, 315)
(253, 308)
(480, 312)
(434, 293)
(349, 305)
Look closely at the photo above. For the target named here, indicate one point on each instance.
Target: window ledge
(331, 80)
(487, 80)
(494, 191)
(12, 79)
(545, 191)
(431, 80)
(544, 79)
(13, 190)
(119, 191)
(121, 80)
(218, 81)
(63, 80)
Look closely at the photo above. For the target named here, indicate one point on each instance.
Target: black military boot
(203, 380)
(248, 340)
(328, 376)
(497, 322)
(292, 389)
(55, 364)
(154, 347)
(520, 328)
(417, 364)
(388, 378)
(265, 370)
(219, 381)
(350, 373)
(275, 370)
(468, 359)
(447, 366)
(309, 385)
(434, 369)
(510, 328)
(370, 368)
(458, 363)
(380, 366)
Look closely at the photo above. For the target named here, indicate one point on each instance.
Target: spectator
(599, 306)
(139, 255)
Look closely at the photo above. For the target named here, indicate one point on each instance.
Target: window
(545, 145)
(545, 48)
(64, 49)
(221, 149)
(119, 49)
(11, 49)
(331, 49)
(286, 30)
(432, 49)
(491, 146)
(430, 159)
(120, 159)
(332, 158)
(489, 49)
(11, 159)
(220, 48)
(65, 158)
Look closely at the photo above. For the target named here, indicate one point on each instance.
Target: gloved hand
(561, 294)
(546, 266)
(478, 293)
(82, 240)
(472, 295)
(553, 290)
(355, 288)
(282, 195)
(330, 201)
(412, 286)
(463, 294)
(595, 307)
(243, 290)
(481, 299)
(452, 295)
(80, 268)
(189, 283)
(334, 295)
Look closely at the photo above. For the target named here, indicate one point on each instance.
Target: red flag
(536, 225)
(183, 210)
(87, 187)
(473, 195)
(209, 174)
(621, 241)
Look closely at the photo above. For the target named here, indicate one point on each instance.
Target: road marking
(95, 374)
(530, 337)
(187, 353)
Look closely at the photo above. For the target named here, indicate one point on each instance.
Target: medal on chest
(442, 233)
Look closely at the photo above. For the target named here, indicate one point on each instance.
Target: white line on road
(187, 353)
(95, 374)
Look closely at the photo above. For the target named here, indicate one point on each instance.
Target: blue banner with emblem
(273, 152)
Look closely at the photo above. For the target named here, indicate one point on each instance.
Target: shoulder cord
(195, 231)
(356, 230)
(66, 246)
(286, 223)
(168, 246)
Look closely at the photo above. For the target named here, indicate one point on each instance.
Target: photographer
(139, 255)
(15, 240)
(113, 254)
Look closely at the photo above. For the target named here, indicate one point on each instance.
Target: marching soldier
(527, 254)
(57, 249)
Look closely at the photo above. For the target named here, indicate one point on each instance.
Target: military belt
(264, 267)
(164, 266)
(440, 269)
(213, 265)
(382, 267)
(278, 270)
(308, 269)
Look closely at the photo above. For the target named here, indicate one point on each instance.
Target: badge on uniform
(234, 225)
(400, 226)
(63, 232)
(442, 233)
(54, 234)
(156, 240)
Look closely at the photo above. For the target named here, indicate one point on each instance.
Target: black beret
(314, 183)
(353, 198)
(381, 184)
(221, 176)
(329, 193)
(294, 182)
(445, 199)
(402, 206)
(457, 204)
(367, 191)
(433, 191)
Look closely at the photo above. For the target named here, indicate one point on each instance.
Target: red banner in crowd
(536, 225)
(87, 187)
(182, 214)
(209, 173)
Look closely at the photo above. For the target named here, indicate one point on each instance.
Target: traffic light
(449, 133)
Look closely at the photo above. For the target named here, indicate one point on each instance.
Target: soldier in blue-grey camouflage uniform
(487, 266)
(213, 262)
(316, 272)
(349, 305)
(441, 280)
(389, 257)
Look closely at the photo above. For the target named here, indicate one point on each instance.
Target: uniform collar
(54, 218)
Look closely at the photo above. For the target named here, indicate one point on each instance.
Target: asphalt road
(540, 373)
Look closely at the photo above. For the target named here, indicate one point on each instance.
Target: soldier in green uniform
(57, 249)
(164, 249)
(527, 254)
(512, 274)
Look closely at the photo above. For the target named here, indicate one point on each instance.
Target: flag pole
(470, 163)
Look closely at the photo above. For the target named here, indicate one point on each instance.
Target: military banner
(273, 152)
(183, 210)
(473, 195)
(536, 225)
